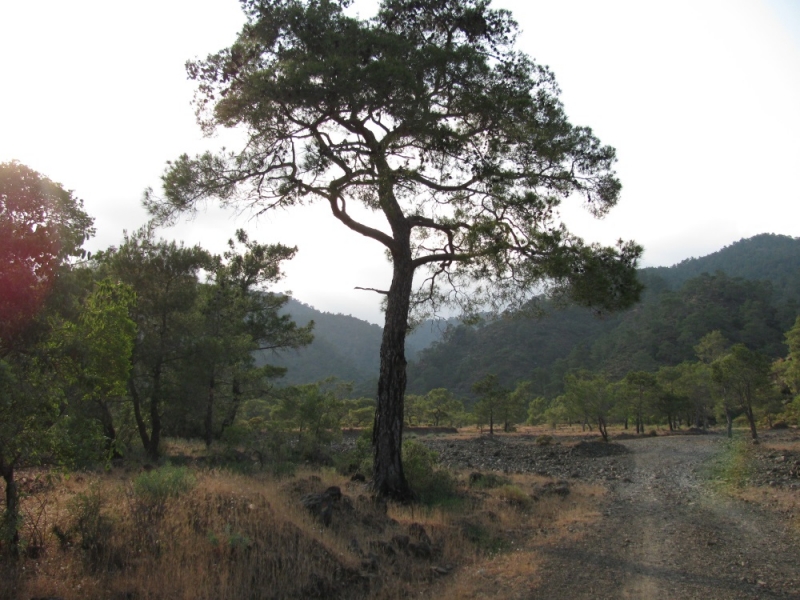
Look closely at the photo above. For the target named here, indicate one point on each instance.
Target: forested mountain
(747, 290)
(344, 347)
(775, 258)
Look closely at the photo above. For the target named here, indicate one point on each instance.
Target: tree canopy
(41, 226)
(428, 115)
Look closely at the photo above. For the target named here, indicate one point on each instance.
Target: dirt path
(667, 534)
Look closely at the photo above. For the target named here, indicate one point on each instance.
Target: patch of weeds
(230, 541)
(358, 460)
(157, 486)
(487, 481)
(544, 440)
(513, 495)
(433, 486)
(485, 539)
(732, 467)
(150, 494)
(92, 528)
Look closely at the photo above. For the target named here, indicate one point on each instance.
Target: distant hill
(748, 290)
(767, 256)
(344, 347)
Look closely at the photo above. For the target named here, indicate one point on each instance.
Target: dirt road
(667, 534)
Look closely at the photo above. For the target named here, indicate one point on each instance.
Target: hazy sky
(701, 99)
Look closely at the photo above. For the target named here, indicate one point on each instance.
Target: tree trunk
(601, 425)
(109, 433)
(236, 399)
(155, 417)
(751, 419)
(141, 426)
(388, 479)
(729, 419)
(209, 420)
(11, 517)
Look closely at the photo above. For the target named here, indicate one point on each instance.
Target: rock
(418, 532)
(420, 550)
(401, 541)
(321, 505)
(440, 571)
(370, 563)
(384, 548)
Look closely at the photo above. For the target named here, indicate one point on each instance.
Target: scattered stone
(420, 550)
(321, 505)
(441, 571)
(401, 541)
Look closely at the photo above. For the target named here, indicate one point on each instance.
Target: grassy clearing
(733, 465)
(734, 468)
(182, 532)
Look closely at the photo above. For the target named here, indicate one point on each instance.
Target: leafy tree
(427, 114)
(164, 276)
(537, 410)
(315, 411)
(42, 228)
(641, 390)
(415, 410)
(491, 400)
(696, 385)
(589, 396)
(442, 406)
(792, 371)
(743, 374)
(515, 405)
(238, 318)
(670, 401)
(360, 412)
(100, 346)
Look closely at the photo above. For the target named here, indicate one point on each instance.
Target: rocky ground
(668, 530)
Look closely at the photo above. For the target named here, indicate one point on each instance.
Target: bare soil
(670, 528)
(674, 523)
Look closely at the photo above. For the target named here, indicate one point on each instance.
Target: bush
(158, 485)
(487, 481)
(89, 524)
(514, 496)
(432, 485)
(544, 440)
(358, 460)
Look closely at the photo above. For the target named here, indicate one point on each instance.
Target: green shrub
(153, 488)
(514, 496)
(358, 460)
(487, 481)
(432, 485)
(92, 527)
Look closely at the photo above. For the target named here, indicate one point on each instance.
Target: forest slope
(746, 290)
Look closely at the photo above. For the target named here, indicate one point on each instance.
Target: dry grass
(237, 536)
(784, 501)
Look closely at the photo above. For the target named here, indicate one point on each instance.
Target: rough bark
(729, 420)
(751, 419)
(109, 433)
(11, 516)
(209, 420)
(141, 426)
(155, 416)
(388, 479)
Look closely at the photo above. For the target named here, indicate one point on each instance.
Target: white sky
(701, 99)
